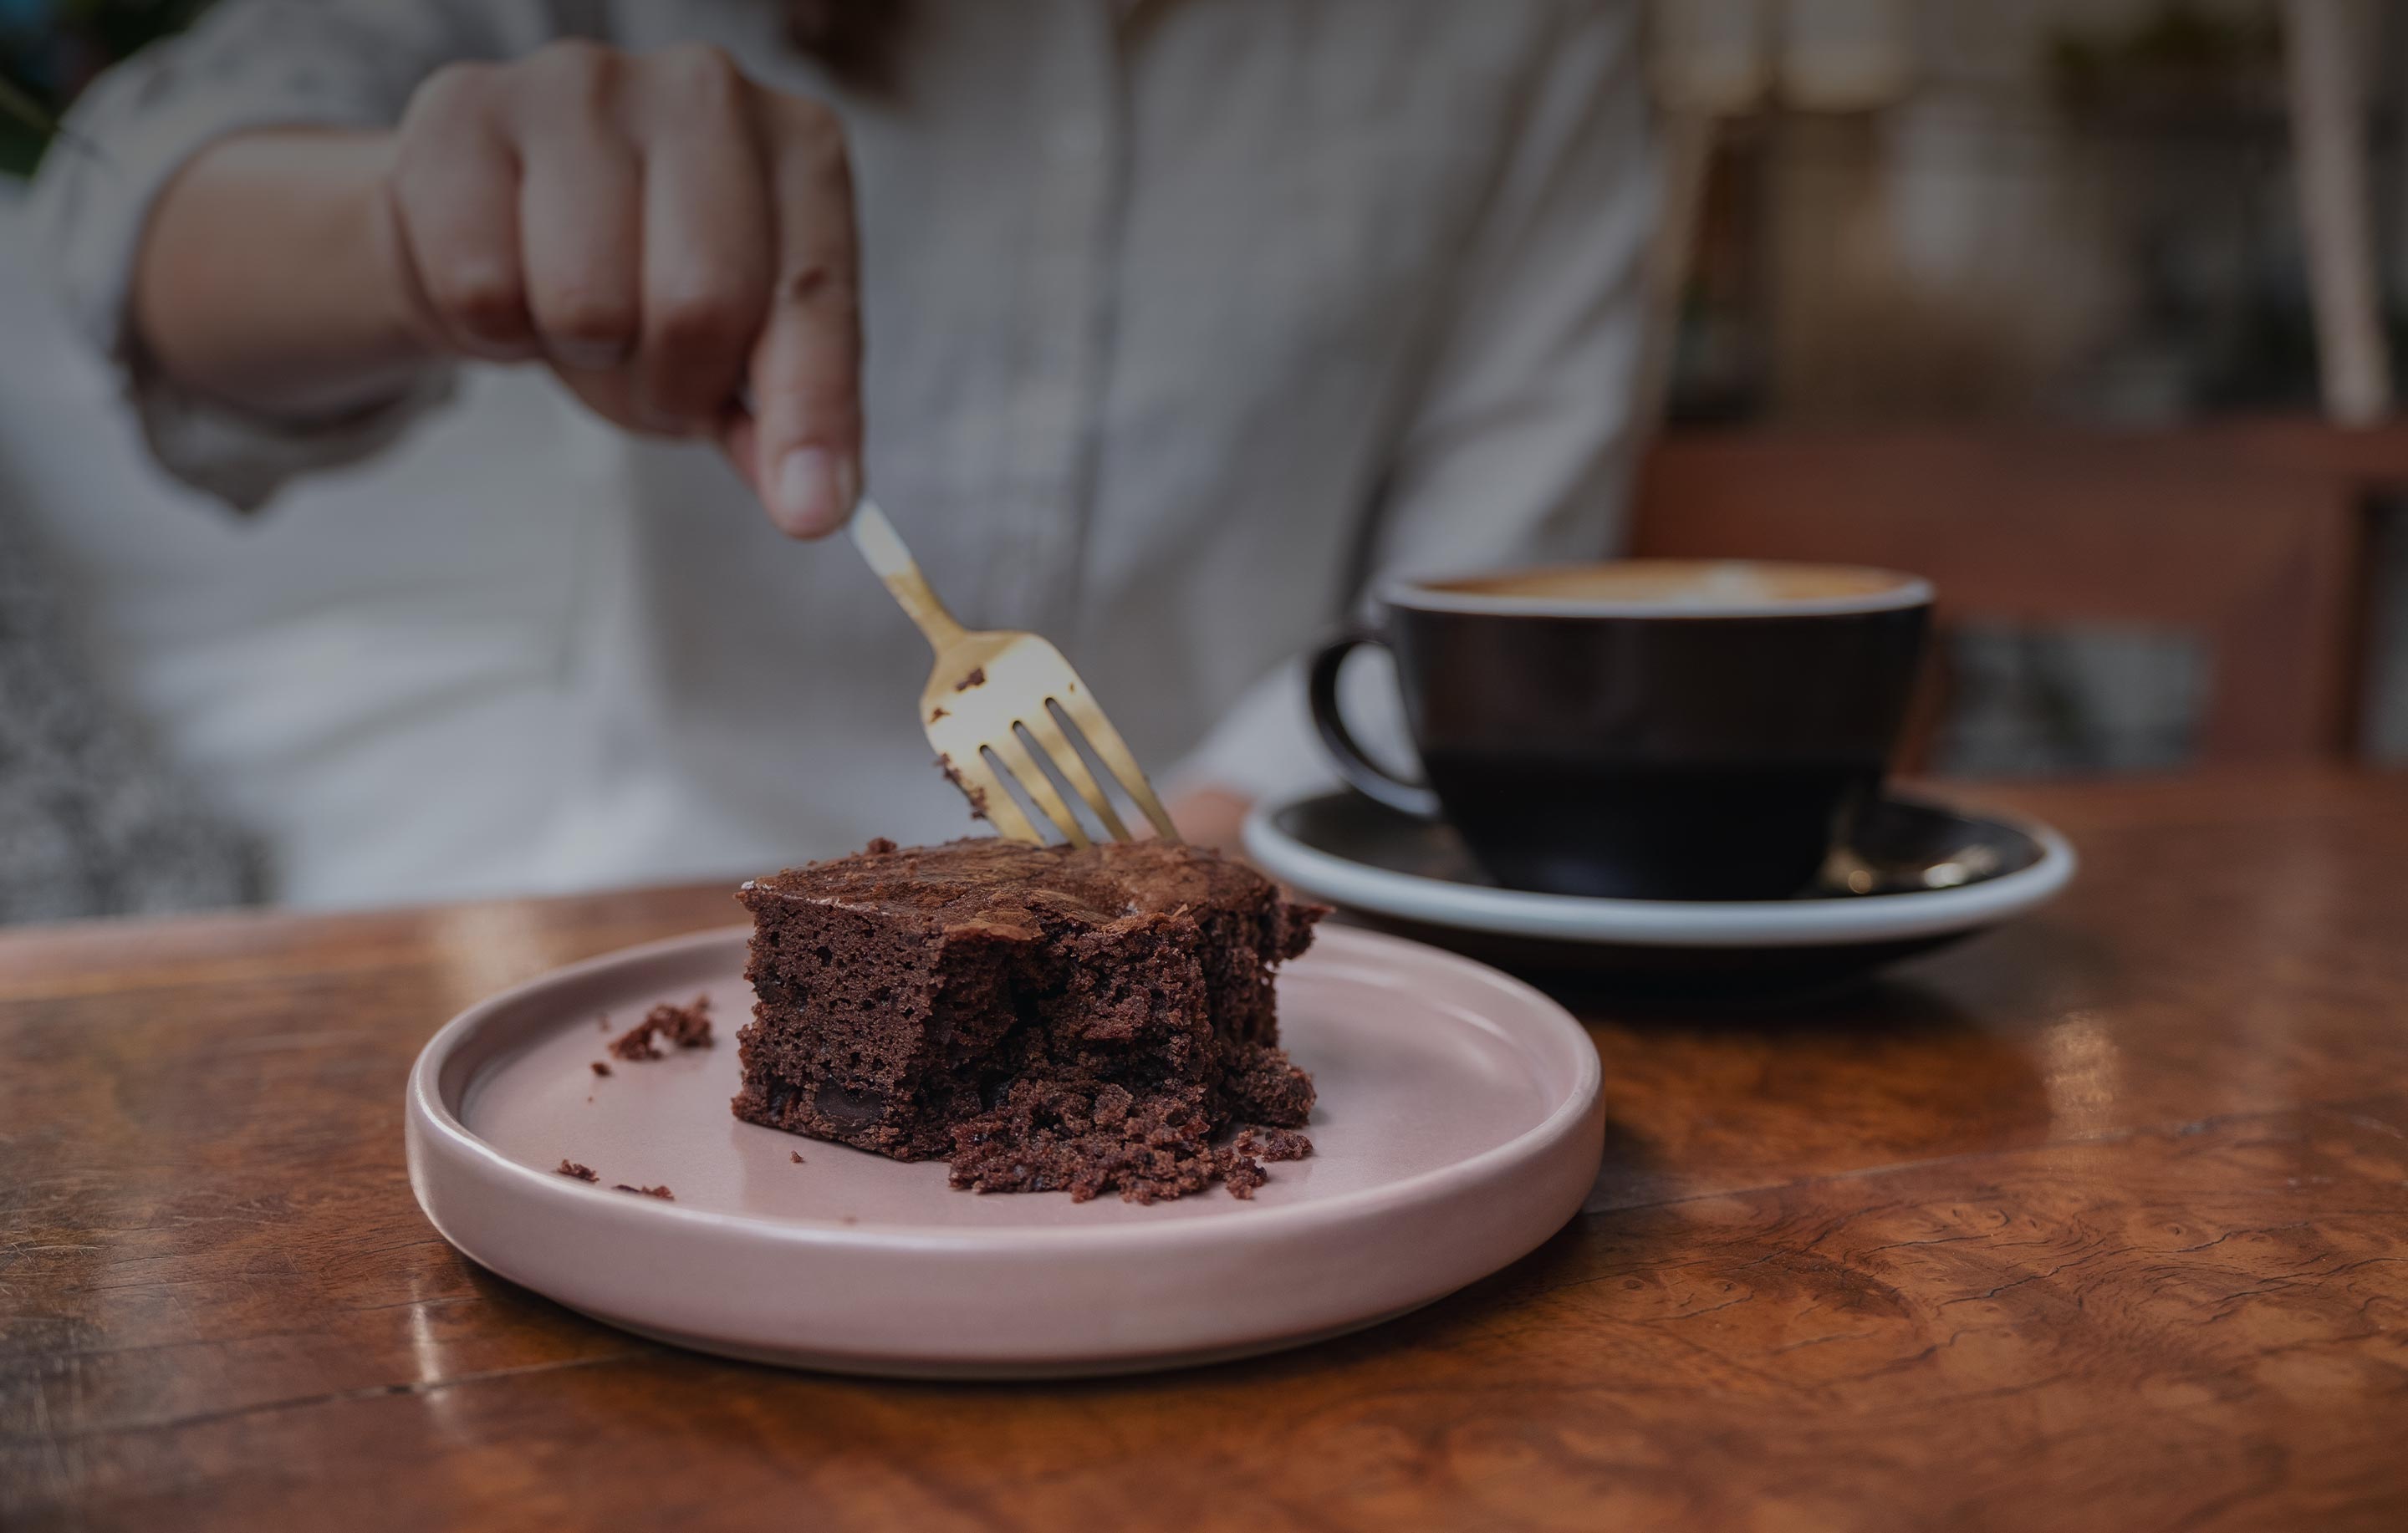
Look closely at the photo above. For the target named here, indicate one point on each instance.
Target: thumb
(800, 442)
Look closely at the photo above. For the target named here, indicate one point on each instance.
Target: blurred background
(1970, 230)
(2087, 308)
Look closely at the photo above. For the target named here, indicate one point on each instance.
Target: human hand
(674, 240)
(1212, 817)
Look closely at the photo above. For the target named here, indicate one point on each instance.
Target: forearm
(265, 277)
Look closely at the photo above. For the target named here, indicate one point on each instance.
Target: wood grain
(2099, 1221)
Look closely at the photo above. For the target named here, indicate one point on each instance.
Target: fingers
(580, 207)
(663, 232)
(707, 237)
(806, 366)
(454, 193)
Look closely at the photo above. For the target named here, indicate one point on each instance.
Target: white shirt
(1179, 324)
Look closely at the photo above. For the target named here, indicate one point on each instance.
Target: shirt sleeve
(1520, 443)
(248, 63)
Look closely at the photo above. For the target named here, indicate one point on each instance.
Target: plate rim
(439, 1125)
(1597, 921)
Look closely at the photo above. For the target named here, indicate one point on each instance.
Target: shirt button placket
(1035, 577)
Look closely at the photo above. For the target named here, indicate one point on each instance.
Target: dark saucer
(1921, 875)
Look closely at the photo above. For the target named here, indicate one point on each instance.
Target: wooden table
(2100, 1222)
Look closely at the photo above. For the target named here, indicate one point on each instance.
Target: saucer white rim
(1670, 924)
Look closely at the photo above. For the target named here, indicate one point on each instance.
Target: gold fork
(994, 696)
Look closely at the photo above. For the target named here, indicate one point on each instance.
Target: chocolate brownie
(1044, 1018)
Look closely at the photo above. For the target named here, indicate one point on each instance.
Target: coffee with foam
(1672, 587)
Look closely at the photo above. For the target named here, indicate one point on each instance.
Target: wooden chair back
(2254, 539)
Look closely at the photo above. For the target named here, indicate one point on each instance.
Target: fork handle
(883, 550)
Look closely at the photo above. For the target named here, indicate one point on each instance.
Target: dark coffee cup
(1646, 729)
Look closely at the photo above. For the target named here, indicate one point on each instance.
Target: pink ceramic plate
(1459, 1126)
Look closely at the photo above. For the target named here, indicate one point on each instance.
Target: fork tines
(1049, 749)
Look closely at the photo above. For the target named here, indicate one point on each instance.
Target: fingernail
(811, 491)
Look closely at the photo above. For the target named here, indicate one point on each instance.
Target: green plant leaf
(24, 108)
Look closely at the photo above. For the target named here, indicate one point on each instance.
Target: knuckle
(699, 73)
(571, 68)
(458, 88)
(710, 320)
(588, 316)
(823, 400)
(428, 170)
(477, 296)
(810, 130)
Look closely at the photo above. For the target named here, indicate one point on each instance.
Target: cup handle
(1368, 775)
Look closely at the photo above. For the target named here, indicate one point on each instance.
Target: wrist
(267, 277)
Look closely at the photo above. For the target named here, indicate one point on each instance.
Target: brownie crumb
(936, 714)
(1271, 1144)
(879, 847)
(687, 1026)
(976, 678)
(1241, 1174)
(661, 1192)
(1265, 1088)
(971, 791)
(601, 1069)
(795, 1156)
(1239, 1163)
(583, 1173)
(1045, 1137)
